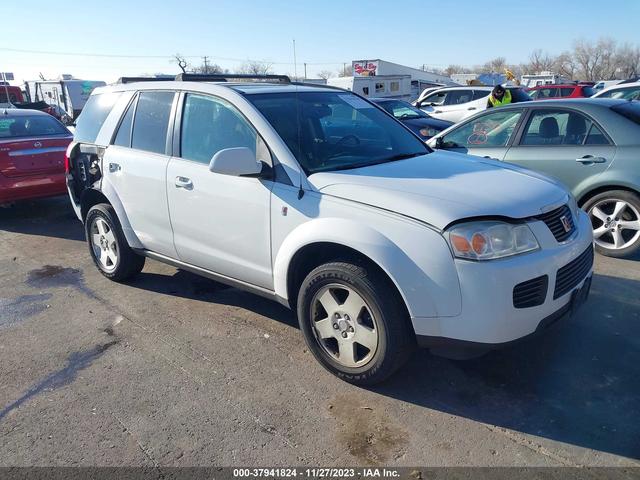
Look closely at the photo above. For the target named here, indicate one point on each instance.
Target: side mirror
(238, 161)
(439, 143)
(418, 105)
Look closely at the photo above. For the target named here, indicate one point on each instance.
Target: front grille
(553, 220)
(530, 293)
(569, 276)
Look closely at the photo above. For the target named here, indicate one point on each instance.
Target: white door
(136, 166)
(220, 222)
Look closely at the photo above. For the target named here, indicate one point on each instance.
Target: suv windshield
(336, 130)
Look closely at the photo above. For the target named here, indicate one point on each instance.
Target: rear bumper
(13, 189)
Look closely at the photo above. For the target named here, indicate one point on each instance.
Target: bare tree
(595, 61)
(453, 69)
(628, 61)
(181, 61)
(326, 74)
(497, 64)
(540, 61)
(255, 67)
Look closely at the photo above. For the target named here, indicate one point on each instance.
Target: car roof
(556, 85)
(572, 102)
(621, 86)
(247, 88)
(19, 112)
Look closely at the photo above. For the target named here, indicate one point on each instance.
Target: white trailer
(67, 96)
(387, 86)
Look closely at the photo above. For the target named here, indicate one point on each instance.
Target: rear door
(136, 164)
(32, 145)
(455, 106)
(563, 143)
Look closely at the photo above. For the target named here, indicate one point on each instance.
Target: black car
(418, 121)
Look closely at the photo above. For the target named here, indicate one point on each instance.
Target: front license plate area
(580, 295)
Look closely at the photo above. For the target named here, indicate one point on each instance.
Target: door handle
(184, 182)
(588, 159)
(437, 111)
(114, 167)
(472, 108)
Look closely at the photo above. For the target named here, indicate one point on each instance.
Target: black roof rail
(165, 78)
(198, 77)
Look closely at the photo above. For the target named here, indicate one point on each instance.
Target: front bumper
(489, 317)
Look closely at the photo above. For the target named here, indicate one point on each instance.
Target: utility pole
(305, 70)
(206, 64)
(344, 69)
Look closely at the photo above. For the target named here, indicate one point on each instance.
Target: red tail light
(66, 162)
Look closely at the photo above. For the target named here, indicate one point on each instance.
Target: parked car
(32, 149)
(605, 84)
(545, 92)
(593, 146)
(454, 104)
(626, 91)
(375, 240)
(418, 122)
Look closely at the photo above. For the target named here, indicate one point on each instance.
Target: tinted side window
(596, 137)
(435, 98)
(123, 137)
(93, 115)
(210, 125)
(477, 94)
(457, 97)
(152, 121)
(565, 92)
(556, 127)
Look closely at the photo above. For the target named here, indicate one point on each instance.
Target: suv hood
(442, 187)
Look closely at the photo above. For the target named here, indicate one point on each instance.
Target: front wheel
(615, 217)
(354, 322)
(108, 246)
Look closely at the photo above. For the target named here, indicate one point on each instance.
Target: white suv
(317, 198)
(454, 104)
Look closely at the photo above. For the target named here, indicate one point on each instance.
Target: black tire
(605, 202)
(128, 263)
(395, 337)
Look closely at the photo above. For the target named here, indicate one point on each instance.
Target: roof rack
(164, 78)
(197, 77)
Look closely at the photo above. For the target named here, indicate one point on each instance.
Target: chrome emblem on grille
(37, 145)
(565, 223)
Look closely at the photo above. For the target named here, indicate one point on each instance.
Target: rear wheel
(354, 323)
(615, 217)
(108, 246)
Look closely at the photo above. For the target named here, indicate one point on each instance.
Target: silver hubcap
(104, 244)
(616, 223)
(344, 325)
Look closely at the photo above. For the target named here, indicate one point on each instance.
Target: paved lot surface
(172, 369)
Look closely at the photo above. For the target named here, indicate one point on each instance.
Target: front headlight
(428, 132)
(488, 240)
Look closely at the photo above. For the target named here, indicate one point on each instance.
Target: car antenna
(297, 106)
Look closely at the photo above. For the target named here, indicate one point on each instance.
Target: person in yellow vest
(499, 96)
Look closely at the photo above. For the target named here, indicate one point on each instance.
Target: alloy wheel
(616, 223)
(104, 244)
(344, 325)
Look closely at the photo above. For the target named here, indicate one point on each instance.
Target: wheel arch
(589, 194)
(322, 240)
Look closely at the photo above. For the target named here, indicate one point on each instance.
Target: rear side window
(31, 126)
(519, 95)
(123, 137)
(630, 110)
(93, 115)
(152, 121)
(565, 92)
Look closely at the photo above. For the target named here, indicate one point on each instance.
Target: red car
(546, 92)
(32, 151)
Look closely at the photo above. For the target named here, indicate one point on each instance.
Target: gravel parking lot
(175, 370)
